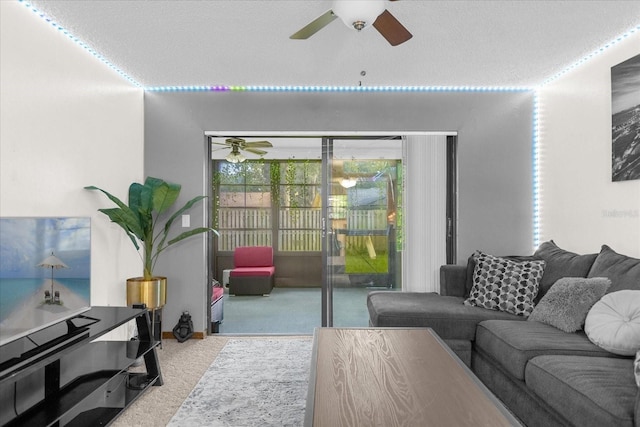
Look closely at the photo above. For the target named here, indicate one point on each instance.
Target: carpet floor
(227, 381)
(182, 365)
(259, 382)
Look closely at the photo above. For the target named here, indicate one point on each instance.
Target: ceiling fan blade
(233, 141)
(314, 26)
(391, 29)
(221, 148)
(258, 144)
(255, 151)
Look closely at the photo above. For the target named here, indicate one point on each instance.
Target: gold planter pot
(152, 292)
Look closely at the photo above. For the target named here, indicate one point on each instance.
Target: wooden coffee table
(395, 377)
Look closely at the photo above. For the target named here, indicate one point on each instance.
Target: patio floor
(292, 311)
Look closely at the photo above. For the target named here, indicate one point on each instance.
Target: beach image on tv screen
(45, 270)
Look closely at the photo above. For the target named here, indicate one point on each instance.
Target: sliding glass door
(338, 214)
(362, 224)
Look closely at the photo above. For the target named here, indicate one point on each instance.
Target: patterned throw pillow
(505, 285)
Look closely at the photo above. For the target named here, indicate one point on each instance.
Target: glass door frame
(327, 285)
(327, 306)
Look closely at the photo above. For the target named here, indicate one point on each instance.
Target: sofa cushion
(589, 391)
(561, 263)
(253, 256)
(513, 344)
(252, 271)
(216, 294)
(447, 316)
(504, 284)
(613, 323)
(623, 270)
(568, 301)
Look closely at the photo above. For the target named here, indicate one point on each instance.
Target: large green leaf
(124, 216)
(125, 219)
(135, 198)
(146, 199)
(167, 225)
(189, 234)
(180, 211)
(164, 194)
(140, 201)
(111, 197)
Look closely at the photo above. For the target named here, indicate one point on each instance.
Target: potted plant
(141, 219)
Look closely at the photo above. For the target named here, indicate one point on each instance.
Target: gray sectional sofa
(544, 375)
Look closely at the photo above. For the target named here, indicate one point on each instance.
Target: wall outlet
(186, 220)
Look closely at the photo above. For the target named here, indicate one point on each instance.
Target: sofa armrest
(453, 280)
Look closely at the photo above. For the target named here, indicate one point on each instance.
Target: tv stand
(61, 375)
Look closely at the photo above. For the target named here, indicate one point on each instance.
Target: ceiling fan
(238, 144)
(359, 14)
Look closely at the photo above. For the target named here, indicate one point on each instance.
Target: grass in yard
(359, 262)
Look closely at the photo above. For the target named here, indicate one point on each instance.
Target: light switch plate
(186, 220)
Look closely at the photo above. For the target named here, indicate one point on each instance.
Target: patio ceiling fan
(359, 14)
(238, 144)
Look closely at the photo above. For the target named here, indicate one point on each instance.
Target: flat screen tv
(45, 272)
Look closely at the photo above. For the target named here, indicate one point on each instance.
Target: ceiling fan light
(348, 182)
(235, 157)
(358, 14)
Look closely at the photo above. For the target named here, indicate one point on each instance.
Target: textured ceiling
(246, 42)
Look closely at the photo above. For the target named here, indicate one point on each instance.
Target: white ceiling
(246, 42)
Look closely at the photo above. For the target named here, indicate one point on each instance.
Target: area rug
(252, 382)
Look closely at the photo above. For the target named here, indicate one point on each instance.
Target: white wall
(581, 207)
(67, 121)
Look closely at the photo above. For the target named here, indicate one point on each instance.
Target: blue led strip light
(535, 156)
(581, 61)
(80, 43)
(221, 88)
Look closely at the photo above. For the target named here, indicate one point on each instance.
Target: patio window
(299, 207)
(243, 214)
(268, 202)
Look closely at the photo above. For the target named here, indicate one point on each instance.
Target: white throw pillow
(613, 323)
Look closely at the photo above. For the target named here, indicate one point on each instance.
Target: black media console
(61, 375)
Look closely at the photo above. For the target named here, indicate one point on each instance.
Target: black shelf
(74, 380)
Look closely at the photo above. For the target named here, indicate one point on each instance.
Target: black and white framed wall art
(625, 120)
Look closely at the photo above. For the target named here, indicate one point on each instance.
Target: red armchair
(253, 272)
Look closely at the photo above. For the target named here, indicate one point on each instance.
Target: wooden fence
(299, 228)
(244, 218)
(366, 227)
